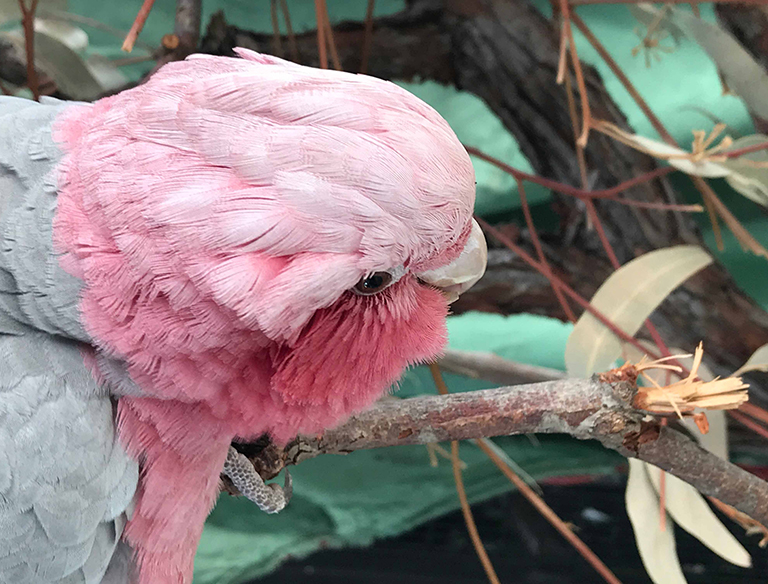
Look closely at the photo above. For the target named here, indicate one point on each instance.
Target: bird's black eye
(373, 283)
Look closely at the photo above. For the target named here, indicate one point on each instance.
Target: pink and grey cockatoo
(239, 246)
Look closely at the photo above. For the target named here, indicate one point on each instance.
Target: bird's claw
(270, 498)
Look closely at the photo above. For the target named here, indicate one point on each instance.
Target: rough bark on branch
(585, 409)
(507, 54)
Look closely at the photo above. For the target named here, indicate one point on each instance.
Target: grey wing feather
(34, 289)
(66, 484)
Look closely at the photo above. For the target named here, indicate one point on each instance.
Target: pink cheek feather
(352, 352)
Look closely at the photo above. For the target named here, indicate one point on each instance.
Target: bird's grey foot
(270, 498)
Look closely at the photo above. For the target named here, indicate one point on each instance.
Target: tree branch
(584, 409)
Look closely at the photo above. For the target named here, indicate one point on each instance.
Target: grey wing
(34, 289)
(66, 484)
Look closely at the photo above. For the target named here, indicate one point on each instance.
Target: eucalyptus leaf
(72, 36)
(704, 168)
(748, 179)
(627, 298)
(106, 73)
(656, 546)
(76, 77)
(690, 511)
(757, 362)
(743, 74)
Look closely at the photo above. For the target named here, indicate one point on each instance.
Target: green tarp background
(355, 499)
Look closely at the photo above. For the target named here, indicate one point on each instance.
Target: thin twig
(321, 47)
(465, 508)
(289, 29)
(746, 150)
(585, 113)
(526, 491)
(546, 511)
(28, 22)
(138, 24)
(755, 412)
(749, 423)
(329, 36)
(695, 208)
(580, 157)
(368, 40)
(91, 22)
(592, 215)
(621, 76)
(540, 250)
(568, 189)
(567, 289)
(277, 45)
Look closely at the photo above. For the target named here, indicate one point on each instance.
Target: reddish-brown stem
(329, 36)
(321, 47)
(755, 411)
(746, 150)
(540, 251)
(289, 30)
(607, 247)
(585, 114)
(368, 40)
(277, 44)
(592, 211)
(138, 24)
(570, 292)
(564, 189)
(749, 423)
(474, 535)
(658, 206)
(28, 22)
(551, 516)
(616, 70)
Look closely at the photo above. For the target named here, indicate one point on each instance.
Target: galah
(237, 247)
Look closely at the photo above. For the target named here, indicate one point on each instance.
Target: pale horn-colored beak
(461, 274)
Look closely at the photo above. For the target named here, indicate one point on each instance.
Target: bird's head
(322, 217)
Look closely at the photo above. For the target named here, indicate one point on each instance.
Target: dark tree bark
(507, 54)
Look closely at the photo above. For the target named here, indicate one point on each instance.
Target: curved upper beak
(461, 274)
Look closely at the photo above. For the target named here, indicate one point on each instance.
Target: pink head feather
(218, 215)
